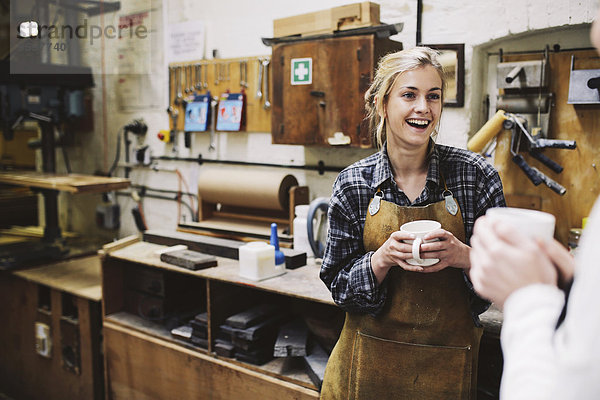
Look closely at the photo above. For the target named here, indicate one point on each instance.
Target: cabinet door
(333, 101)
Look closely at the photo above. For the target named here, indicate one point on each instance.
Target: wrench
(198, 77)
(260, 77)
(205, 82)
(179, 98)
(171, 89)
(265, 65)
(186, 79)
(244, 73)
(213, 123)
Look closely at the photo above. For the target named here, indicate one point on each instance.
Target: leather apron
(424, 344)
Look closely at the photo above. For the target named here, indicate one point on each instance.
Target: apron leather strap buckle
(375, 203)
(451, 205)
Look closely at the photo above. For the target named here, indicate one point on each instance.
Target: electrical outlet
(43, 340)
(108, 216)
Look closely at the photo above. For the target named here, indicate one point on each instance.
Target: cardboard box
(351, 16)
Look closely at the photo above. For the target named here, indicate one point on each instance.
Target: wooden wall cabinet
(342, 70)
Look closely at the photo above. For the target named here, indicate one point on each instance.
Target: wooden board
(78, 276)
(132, 359)
(72, 183)
(581, 175)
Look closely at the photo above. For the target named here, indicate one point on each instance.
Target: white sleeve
(530, 316)
(578, 338)
(541, 362)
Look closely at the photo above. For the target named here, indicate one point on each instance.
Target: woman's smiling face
(413, 107)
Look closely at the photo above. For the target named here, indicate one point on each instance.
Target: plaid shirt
(346, 268)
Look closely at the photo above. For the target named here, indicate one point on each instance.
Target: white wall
(235, 28)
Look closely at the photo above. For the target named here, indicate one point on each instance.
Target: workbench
(143, 359)
(66, 298)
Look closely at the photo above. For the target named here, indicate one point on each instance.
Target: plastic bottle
(300, 230)
(279, 256)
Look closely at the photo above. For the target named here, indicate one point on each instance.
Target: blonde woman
(411, 331)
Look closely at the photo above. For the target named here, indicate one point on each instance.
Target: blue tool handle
(533, 176)
(548, 162)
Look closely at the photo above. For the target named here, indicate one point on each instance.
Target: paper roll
(246, 187)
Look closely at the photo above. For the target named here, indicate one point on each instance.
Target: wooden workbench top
(301, 282)
(78, 276)
(72, 183)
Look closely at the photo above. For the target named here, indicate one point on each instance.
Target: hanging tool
(213, 122)
(173, 112)
(198, 77)
(205, 80)
(186, 83)
(179, 98)
(244, 73)
(260, 78)
(265, 65)
(190, 84)
(535, 175)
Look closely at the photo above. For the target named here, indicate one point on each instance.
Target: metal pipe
(419, 18)
(320, 167)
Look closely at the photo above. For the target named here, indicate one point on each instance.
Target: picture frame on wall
(452, 58)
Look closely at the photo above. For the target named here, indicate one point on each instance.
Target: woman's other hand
(394, 252)
(448, 249)
(503, 260)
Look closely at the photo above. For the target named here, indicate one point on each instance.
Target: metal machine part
(584, 85)
(522, 74)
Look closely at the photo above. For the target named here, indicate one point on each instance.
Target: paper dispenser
(241, 203)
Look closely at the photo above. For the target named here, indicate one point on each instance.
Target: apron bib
(424, 344)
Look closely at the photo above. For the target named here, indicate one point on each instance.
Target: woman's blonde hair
(389, 67)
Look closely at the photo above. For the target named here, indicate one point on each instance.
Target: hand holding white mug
(512, 248)
(419, 229)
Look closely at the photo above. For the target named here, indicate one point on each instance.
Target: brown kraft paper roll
(246, 187)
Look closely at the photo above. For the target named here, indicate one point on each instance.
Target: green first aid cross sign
(301, 71)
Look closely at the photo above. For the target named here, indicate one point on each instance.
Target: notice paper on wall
(185, 41)
(137, 62)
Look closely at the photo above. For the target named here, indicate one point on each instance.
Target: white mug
(420, 228)
(531, 223)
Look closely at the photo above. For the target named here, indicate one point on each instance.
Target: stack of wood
(200, 330)
(249, 336)
(195, 331)
(294, 341)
